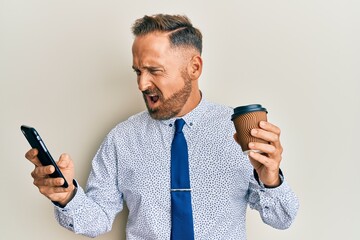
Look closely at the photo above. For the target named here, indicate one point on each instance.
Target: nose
(144, 82)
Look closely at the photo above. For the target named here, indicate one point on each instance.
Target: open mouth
(153, 98)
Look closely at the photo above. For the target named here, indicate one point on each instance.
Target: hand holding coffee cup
(245, 119)
(267, 164)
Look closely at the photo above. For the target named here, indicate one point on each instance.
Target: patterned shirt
(133, 165)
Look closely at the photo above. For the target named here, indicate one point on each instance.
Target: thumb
(64, 160)
(236, 138)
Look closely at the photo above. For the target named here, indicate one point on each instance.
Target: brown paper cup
(246, 118)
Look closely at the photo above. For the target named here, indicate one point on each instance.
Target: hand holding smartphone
(44, 155)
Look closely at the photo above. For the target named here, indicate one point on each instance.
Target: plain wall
(65, 68)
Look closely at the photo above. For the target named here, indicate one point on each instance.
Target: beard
(171, 106)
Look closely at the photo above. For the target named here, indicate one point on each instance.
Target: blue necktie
(182, 227)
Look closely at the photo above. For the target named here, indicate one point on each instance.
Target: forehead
(155, 44)
(154, 49)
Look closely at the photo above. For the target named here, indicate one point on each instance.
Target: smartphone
(44, 155)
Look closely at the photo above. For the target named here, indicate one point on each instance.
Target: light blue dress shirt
(133, 165)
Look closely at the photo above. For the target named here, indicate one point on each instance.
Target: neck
(192, 102)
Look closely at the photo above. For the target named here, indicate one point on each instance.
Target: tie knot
(179, 124)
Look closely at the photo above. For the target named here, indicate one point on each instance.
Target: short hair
(180, 29)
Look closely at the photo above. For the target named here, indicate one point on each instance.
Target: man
(134, 163)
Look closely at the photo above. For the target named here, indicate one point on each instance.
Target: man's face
(161, 75)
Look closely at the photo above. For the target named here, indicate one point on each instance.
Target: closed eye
(154, 70)
(137, 71)
(151, 70)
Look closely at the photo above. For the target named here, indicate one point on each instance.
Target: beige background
(65, 68)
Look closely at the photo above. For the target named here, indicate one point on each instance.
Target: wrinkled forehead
(151, 46)
(154, 39)
(152, 50)
(156, 47)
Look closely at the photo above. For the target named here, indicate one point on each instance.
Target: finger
(64, 161)
(270, 127)
(264, 160)
(51, 192)
(48, 182)
(265, 135)
(31, 155)
(42, 171)
(262, 147)
(267, 150)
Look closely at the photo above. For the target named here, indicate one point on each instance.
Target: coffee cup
(246, 118)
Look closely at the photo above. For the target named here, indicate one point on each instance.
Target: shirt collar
(191, 118)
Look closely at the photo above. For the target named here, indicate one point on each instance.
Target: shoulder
(219, 109)
(215, 118)
(218, 113)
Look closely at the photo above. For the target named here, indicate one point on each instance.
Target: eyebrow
(148, 68)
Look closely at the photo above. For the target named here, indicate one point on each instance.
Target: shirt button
(170, 125)
(191, 124)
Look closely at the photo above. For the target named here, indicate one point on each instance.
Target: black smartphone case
(44, 156)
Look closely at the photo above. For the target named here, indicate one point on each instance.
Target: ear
(195, 67)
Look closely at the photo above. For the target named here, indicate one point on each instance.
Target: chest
(216, 166)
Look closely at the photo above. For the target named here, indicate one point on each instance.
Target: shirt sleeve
(277, 206)
(93, 211)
